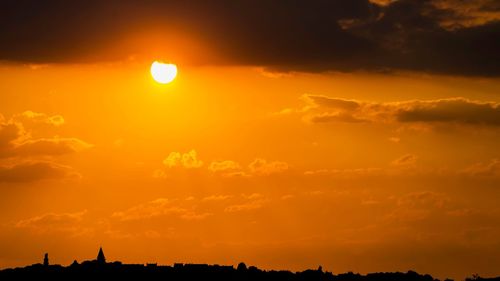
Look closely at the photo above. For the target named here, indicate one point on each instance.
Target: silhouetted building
(241, 266)
(100, 257)
(46, 260)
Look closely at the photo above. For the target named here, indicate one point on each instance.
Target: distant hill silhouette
(99, 269)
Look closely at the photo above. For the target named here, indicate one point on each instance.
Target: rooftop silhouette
(99, 269)
(100, 257)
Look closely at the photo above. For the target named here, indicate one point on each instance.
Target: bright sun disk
(163, 73)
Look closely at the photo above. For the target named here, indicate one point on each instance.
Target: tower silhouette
(46, 260)
(100, 257)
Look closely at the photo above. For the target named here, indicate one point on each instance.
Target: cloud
(258, 167)
(437, 36)
(467, 13)
(347, 173)
(65, 222)
(394, 139)
(383, 2)
(484, 169)
(24, 155)
(158, 208)
(244, 207)
(34, 171)
(440, 111)
(187, 160)
(227, 168)
(15, 140)
(405, 161)
(418, 206)
(9, 132)
(224, 166)
(459, 110)
(38, 117)
(177, 160)
(423, 200)
(250, 202)
(216, 198)
(262, 167)
(252, 196)
(287, 197)
(327, 117)
(51, 146)
(406, 166)
(337, 103)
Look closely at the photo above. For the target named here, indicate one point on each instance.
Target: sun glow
(163, 73)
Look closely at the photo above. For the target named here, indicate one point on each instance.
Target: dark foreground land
(198, 272)
(99, 269)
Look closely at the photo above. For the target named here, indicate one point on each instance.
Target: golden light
(163, 73)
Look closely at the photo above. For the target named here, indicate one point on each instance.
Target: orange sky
(361, 137)
(230, 164)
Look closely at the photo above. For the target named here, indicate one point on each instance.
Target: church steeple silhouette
(100, 257)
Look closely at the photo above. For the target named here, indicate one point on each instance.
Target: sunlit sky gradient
(282, 163)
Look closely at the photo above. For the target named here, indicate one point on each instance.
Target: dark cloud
(323, 109)
(16, 141)
(19, 150)
(51, 146)
(9, 132)
(435, 36)
(405, 160)
(35, 171)
(451, 110)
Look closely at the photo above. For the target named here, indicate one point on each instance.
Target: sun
(163, 73)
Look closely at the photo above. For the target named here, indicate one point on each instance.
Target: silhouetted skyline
(100, 268)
